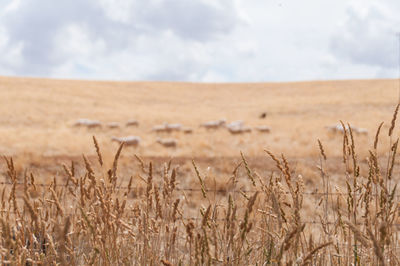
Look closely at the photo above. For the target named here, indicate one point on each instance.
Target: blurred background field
(38, 115)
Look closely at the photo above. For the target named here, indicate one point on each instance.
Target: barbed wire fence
(223, 191)
(220, 191)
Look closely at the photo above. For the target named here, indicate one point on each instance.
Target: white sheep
(88, 123)
(169, 143)
(263, 129)
(173, 127)
(238, 129)
(168, 128)
(238, 123)
(161, 128)
(214, 124)
(128, 141)
(361, 131)
(132, 122)
(339, 129)
(113, 125)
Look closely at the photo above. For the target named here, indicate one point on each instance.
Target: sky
(200, 40)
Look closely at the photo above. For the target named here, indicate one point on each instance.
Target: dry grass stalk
(278, 163)
(393, 123)
(57, 202)
(96, 144)
(202, 185)
(287, 241)
(249, 174)
(394, 150)
(141, 163)
(31, 210)
(115, 163)
(158, 203)
(315, 250)
(377, 248)
(149, 187)
(358, 234)
(321, 149)
(377, 136)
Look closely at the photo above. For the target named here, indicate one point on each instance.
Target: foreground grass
(92, 217)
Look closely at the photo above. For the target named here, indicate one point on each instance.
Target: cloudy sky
(200, 40)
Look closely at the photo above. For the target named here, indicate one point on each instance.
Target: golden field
(38, 114)
(258, 207)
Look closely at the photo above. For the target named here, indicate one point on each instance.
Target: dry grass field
(279, 202)
(37, 115)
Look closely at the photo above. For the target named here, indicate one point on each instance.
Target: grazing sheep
(173, 127)
(339, 129)
(167, 128)
(128, 141)
(239, 130)
(169, 143)
(238, 123)
(361, 131)
(187, 130)
(132, 122)
(164, 128)
(237, 127)
(214, 124)
(264, 129)
(113, 125)
(159, 128)
(88, 123)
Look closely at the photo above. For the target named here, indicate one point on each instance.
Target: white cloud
(161, 37)
(199, 40)
(368, 37)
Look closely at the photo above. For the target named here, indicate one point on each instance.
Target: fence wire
(222, 191)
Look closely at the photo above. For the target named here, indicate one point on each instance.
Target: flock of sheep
(339, 129)
(235, 128)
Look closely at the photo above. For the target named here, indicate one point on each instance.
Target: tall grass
(98, 217)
